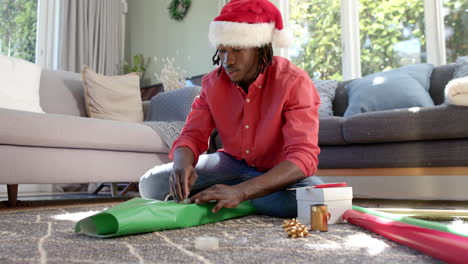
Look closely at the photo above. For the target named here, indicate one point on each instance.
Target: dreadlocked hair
(265, 58)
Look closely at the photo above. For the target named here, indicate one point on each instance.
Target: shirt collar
(260, 80)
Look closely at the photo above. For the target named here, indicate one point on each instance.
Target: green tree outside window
(316, 24)
(391, 34)
(456, 29)
(18, 23)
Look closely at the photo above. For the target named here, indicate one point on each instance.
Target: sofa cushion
(403, 87)
(412, 124)
(26, 165)
(112, 97)
(326, 90)
(434, 153)
(61, 131)
(62, 93)
(331, 131)
(19, 84)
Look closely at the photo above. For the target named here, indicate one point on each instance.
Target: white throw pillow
(19, 84)
(456, 91)
(326, 90)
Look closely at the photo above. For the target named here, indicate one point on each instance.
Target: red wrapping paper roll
(445, 246)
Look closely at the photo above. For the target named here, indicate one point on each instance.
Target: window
(18, 28)
(456, 32)
(350, 38)
(316, 24)
(391, 33)
(29, 30)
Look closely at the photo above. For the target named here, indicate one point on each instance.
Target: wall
(150, 31)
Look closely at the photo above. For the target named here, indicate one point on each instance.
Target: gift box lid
(321, 195)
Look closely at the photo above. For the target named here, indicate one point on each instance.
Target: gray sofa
(64, 146)
(397, 154)
(400, 138)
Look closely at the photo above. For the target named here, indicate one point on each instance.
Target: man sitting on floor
(266, 112)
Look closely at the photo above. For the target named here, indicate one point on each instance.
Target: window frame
(48, 34)
(435, 39)
(350, 39)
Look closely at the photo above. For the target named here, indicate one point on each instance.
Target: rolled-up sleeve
(197, 129)
(302, 125)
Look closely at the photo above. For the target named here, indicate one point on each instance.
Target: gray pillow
(461, 68)
(173, 105)
(326, 90)
(403, 87)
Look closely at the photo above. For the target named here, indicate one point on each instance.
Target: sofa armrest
(409, 124)
(23, 128)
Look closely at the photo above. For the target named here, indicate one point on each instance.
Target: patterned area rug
(45, 235)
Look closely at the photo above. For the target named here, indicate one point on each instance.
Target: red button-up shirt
(276, 120)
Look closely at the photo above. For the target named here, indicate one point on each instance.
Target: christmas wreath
(178, 9)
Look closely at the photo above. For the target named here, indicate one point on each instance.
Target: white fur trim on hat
(282, 38)
(241, 35)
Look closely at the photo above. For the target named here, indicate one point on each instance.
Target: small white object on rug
(206, 243)
(456, 91)
(19, 84)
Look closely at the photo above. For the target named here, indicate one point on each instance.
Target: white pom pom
(282, 38)
(206, 243)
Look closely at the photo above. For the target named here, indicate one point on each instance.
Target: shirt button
(247, 151)
(246, 126)
(260, 86)
(247, 100)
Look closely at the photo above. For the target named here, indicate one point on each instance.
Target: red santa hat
(249, 23)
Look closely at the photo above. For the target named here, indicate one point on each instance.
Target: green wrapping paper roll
(413, 221)
(141, 216)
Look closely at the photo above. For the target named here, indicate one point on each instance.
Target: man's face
(240, 64)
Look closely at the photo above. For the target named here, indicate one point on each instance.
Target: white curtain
(283, 6)
(92, 33)
(48, 34)
(435, 31)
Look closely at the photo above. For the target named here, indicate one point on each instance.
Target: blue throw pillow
(404, 87)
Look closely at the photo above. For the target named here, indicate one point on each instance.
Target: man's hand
(278, 178)
(225, 196)
(181, 181)
(183, 174)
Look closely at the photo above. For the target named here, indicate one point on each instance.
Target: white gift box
(337, 200)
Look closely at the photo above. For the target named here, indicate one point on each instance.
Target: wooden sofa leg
(12, 190)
